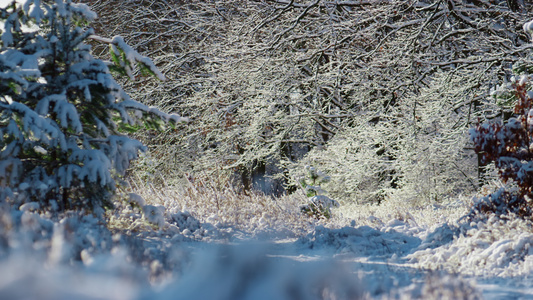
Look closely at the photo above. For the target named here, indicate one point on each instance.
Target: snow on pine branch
(66, 112)
(41, 129)
(74, 8)
(132, 57)
(95, 166)
(59, 133)
(131, 104)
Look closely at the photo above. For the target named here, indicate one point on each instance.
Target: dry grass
(252, 214)
(226, 207)
(400, 209)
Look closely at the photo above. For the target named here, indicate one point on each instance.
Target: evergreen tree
(61, 111)
(317, 205)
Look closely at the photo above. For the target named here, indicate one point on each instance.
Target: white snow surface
(177, 256)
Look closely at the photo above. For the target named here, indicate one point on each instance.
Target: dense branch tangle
(248, 71)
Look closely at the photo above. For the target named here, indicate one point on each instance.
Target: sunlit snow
(153, 247)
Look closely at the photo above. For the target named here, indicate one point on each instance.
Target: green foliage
(312, 180)
(119, 62)
(505, 95)
(318, 206)
(62, 115)
(125, 60)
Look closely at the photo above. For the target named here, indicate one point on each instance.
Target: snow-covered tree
(416, 151)
(61, 111)
(268, 81)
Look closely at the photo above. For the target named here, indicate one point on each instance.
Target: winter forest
(266, 149)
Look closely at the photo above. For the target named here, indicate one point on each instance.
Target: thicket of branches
(381, 92)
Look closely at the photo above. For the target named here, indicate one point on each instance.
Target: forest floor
(207, 247)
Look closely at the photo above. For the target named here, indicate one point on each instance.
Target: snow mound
(136, 199)
(184, 220)
(442, 235)
(154, 215)
(362, 241)
(438, 285)
(492, 248)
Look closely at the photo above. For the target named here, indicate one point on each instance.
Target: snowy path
(79, 258)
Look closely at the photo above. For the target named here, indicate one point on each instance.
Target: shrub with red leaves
(509, 145)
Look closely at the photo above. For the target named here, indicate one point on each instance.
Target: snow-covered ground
(374, 252)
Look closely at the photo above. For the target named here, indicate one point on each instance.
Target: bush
(508, 143)
(61, 111)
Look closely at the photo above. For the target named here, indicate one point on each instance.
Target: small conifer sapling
(318, 206)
